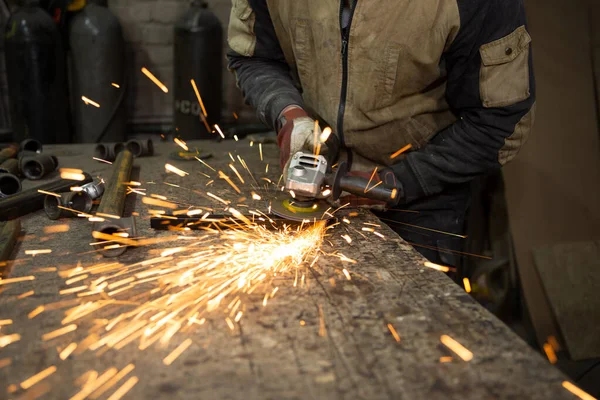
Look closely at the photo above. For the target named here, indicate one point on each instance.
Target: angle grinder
(311, 183)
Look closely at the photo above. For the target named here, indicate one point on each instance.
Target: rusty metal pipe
(8, 152)
(10, 166)
(112, 205)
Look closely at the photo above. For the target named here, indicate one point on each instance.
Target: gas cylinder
(198, 57)
(97, 72)
(36, 74)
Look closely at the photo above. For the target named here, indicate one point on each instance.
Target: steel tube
(9, 185)
(108, 151)
(31, 145)
(141, 148)
(31, 199)
(77, 201)
(10, 166)
(112, 205)
(38, 166)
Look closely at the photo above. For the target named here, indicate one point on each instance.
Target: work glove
(297, 132)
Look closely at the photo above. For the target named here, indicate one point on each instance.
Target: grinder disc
(288, 208)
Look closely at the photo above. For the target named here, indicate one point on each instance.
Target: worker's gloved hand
(297, 133)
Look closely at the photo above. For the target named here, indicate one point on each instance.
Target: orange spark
(577, 391)
(14, 280)
(445, 359)
(198, 97)
(112, 382)
(160, 203)
(550, 353)
(73, 290)
(67, 351)
(175, 170)
(168, 360)
(456, 347)
(394, 333)
(36, 252)
(35, 312)
(8, 339)
(101, 160)
(467, 285)
(126, 387)
(72, 174)
(87, 101)
(56, 229)
(181, 144)
(29, 382)
(402, 150)
(237, 173)
(436, 266)
(155, 80)
(220, 131)
(26, 294)
(115, 85)
(346, 274)
(59, 332)
(48, 193)
(370, 179)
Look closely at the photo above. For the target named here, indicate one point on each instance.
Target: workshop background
(539, 219)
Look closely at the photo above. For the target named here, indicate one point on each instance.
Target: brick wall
(148, 30)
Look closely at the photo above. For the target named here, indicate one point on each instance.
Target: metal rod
(112, 205)
(31, 199)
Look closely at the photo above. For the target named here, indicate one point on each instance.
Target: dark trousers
(444, 212)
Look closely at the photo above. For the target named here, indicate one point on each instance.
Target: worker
(450, 81)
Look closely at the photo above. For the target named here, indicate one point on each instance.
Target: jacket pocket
(241, 37)
(504, 76)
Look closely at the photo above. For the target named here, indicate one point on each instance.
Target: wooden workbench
(270, 354)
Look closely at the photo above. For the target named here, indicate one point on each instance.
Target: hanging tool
(310, 182)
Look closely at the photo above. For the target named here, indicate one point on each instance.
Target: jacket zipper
(343, 93)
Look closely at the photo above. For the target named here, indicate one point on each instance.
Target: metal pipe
(31, 199)
(78, 201)
(141, 148)
(112, 205)
(8, 152)
(38, 166)
(108, 151)
(9, 185)
(10, 166)
(31, 145)
(94, 189)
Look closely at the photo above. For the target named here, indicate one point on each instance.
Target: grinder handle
(356, 185)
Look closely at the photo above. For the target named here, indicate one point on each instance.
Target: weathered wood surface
(270, 355)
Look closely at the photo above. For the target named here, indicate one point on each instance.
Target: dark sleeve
(257, 60)
(491, 89)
